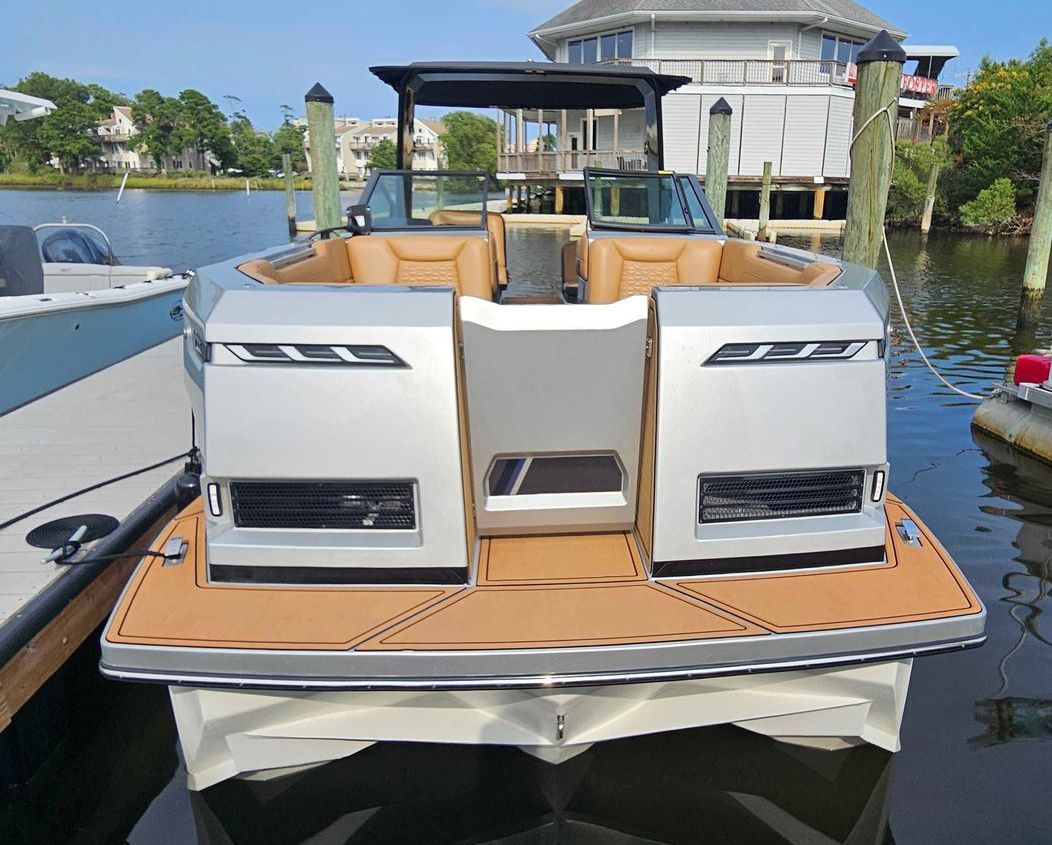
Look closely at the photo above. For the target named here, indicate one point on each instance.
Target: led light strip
(817, 350)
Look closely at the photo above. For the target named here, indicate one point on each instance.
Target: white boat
(69, 308)
(434, 512)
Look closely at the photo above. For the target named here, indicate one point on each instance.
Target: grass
(168, 182)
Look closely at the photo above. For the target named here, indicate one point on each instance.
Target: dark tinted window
(574, 56)
(608, 47)
(590, 48)
(624, 45)
(523, 476)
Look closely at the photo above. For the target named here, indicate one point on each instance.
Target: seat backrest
(743, 264)
(620, 267)
(325, 264)
(495, 229)
(457, 260)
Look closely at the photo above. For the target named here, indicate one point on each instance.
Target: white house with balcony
(785, 66)
(120, 148)
(356, 139)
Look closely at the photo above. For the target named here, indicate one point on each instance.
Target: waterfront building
(120, 148)
(356, 139)
(786, 67)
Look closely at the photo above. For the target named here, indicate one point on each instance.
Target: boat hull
(49, 341)
(228, 733)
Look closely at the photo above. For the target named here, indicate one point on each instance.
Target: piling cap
(882, 48)
(318, 94)
(721, 106)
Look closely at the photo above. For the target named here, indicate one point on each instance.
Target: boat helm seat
(743, 264)
(623, 267)
(460, 261)
(327, 263)
(495, 229)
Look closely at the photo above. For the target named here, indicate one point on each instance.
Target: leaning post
(718, 162)
(290, 193)
(325, 181)
(929, 200)
(765, 203)
(1036, 272)
(873, 147)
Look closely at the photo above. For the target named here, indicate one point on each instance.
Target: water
(976, 761)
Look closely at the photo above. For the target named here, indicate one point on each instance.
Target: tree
(200, 126)
(65, 134)
(998, 123)
(384, 156)
(909, 185)
(289, 139)
(470, 142)
(253, 150)
(157, 119)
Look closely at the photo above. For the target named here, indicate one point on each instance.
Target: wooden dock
(128, 416)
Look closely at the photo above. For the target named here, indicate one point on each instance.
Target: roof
(545, 85)
(592, 10)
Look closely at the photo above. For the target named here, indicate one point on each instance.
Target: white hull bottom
(226, 733)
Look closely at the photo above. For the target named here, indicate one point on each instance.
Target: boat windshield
(412, 200)
(664, 202)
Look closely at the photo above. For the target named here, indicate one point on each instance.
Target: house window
(605, 48)
(837, 48)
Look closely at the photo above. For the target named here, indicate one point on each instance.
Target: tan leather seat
(460, 261)
(620, 267)
(742, 265)
(327, 264)
(495, 229)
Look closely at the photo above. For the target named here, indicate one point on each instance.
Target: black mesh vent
(323, 504)
(733, 498)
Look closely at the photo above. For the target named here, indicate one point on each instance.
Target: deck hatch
(735, 498)
(348, 505)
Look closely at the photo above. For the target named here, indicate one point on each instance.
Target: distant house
(356, 139)
(121, 149)
(787, 68)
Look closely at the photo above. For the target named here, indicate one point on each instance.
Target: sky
(268, 53)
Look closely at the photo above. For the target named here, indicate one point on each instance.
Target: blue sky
(268, 52)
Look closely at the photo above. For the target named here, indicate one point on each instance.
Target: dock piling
(718, 161)
(290, 193)
(929, 200)
(1037, 254)
(325, 181)
(873, 147)
(765, 203)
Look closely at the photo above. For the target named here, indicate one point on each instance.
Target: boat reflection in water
(715, 784)
(1026, 482)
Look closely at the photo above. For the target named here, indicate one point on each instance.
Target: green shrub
(993, 208)
(909, 183)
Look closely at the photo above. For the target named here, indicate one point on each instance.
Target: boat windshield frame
(373, 183)
(681, 182)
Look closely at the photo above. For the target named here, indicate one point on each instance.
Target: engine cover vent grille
(736, 498)
(332, 505)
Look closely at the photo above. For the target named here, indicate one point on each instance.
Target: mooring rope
(891, 264)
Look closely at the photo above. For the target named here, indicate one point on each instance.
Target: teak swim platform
(433, 512)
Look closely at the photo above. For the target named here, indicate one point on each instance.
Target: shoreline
(112, 182)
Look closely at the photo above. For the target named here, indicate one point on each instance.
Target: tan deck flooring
(533, 592)
(127, 416)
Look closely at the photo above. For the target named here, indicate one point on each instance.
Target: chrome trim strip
(530, 682)
(242, 667)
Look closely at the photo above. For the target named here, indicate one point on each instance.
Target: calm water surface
(976, 764)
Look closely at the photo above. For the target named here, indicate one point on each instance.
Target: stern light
(215, 503)
(877, 492)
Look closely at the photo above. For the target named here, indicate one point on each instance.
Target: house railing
(569, 161)
(750, 71)
(910, 129)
